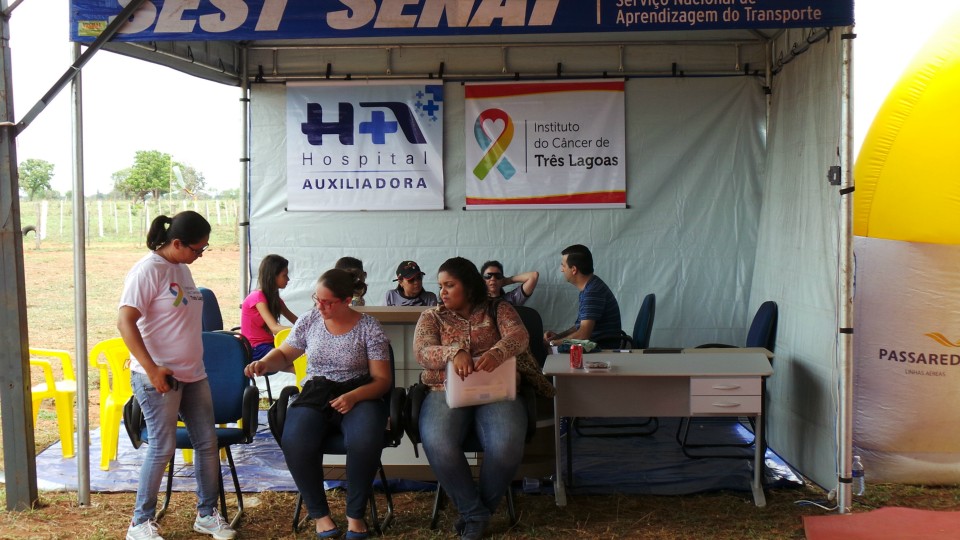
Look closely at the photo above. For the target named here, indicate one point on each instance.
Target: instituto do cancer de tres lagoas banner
(364, 146)
(545, 145)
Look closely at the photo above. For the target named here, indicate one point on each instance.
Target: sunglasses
(414, 278)
(324, 303)
(198, 252)
(492, 275)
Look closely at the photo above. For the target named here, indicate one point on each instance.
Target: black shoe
(474, 530)
(459, 526)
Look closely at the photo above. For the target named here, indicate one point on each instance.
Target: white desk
(695, 383)
(399, 323)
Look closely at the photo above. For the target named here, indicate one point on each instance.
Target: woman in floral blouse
(474, 333)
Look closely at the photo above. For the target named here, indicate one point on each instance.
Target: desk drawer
(729, 386)
(724, 405)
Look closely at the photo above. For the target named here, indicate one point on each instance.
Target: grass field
(50, 295)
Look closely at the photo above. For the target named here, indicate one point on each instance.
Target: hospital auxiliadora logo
(363, 137)
(930, 358)
(494, 148)
(377, 119)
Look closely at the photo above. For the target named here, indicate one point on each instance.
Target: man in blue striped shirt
(598, 315)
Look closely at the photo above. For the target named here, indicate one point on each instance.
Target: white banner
(907, 360)
(365, 146)
(545, 145)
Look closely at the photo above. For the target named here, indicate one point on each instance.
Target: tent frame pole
(244, 221)
(80, 291)
(845, 270)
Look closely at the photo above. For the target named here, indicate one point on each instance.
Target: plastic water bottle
(859, 486)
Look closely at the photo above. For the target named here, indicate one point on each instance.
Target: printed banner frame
(545, 144)
(208, 20)
(375, 145)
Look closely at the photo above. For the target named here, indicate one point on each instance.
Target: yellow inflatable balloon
(908, 172)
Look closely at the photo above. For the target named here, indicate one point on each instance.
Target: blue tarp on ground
(640, 465)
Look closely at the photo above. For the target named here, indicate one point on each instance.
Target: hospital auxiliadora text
(366, 183)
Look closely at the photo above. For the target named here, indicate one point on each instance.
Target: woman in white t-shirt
(160, 322)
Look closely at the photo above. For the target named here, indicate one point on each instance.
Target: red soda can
(576, 356)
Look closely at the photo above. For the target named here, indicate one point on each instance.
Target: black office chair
(334, 444)
(642, 328)
(534, 325)
(235, 400)
(762, 333)
(411, 424)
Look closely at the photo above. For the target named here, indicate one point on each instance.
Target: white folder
(481, 386)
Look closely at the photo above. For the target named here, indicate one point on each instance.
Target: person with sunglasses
(409, 291)
(495, 281)
(348, 371)
(159, 319)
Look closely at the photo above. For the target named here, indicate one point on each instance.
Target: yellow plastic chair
(112, 358)
(61, 392)
(300, 364)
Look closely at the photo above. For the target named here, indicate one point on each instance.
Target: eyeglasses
(324, 303)
(198, 252)
(492, 275)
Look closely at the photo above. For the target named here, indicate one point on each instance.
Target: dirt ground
(50, 299)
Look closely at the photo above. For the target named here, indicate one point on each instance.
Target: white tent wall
(695, 153)
(796, 262)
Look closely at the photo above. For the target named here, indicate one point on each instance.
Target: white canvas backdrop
(796, 263)
(695, 150)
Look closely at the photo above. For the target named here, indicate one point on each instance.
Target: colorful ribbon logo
(178, 292)
(495, 149)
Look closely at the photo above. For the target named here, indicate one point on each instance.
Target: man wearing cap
(598, 314)
(409, 291)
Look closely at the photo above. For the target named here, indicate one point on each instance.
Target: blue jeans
(500, 428)
(304, 432)
(193, 402)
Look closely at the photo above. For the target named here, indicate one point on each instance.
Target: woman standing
(261, 310)
(160, 322)
(348, 371)
(469, 326)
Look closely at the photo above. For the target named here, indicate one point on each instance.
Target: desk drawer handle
(727, 405)
(727, 387)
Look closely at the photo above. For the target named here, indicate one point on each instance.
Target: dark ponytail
(188, 226)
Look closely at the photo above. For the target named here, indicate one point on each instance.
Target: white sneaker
(148, 530)
(214, 525)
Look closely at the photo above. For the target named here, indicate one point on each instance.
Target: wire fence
(110, 221)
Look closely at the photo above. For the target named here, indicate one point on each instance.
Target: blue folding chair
(236, 401)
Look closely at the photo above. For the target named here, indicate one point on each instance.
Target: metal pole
(845, 292)
(243, 219)
(16, 407)
(74, 70)
(80, 294)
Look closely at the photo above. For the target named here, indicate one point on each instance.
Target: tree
(152, 172)
(190, 180)
(35, 176)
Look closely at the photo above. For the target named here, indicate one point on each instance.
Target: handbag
(133, 421)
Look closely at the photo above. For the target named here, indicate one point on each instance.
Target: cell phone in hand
(172, 383)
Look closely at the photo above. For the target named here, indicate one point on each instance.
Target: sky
(132, 105)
